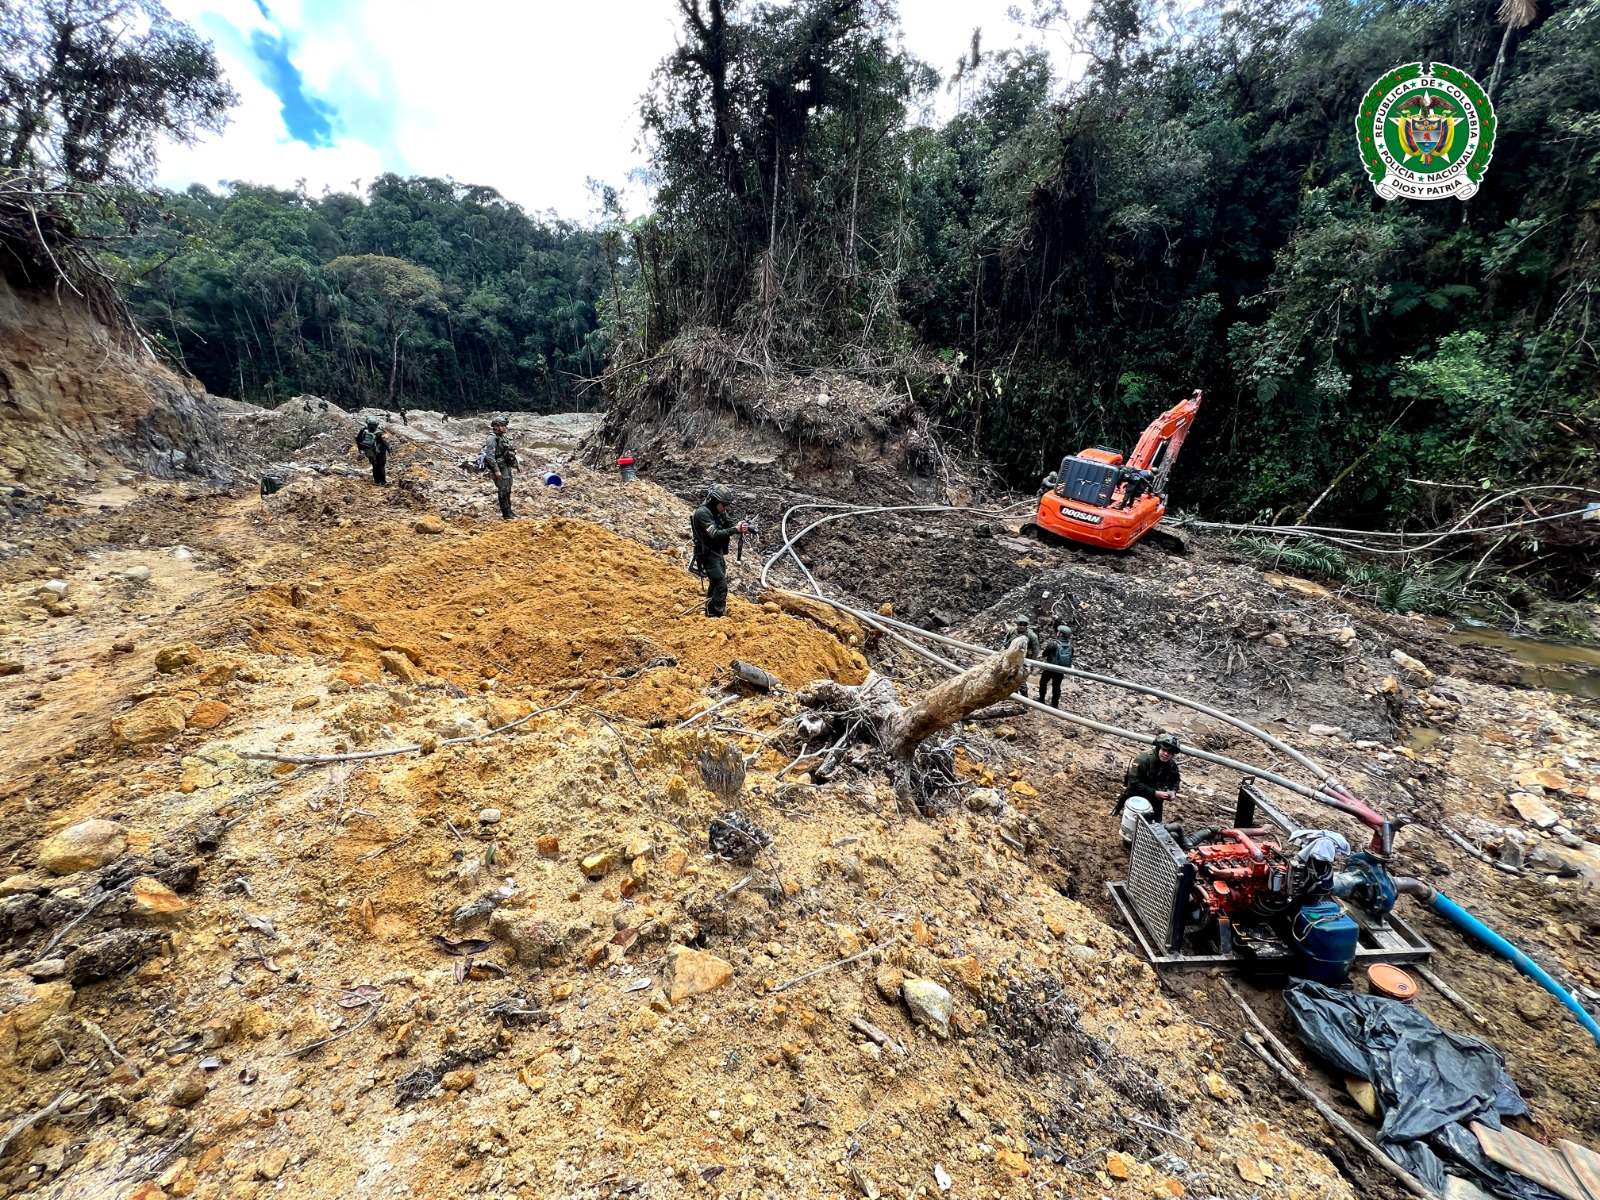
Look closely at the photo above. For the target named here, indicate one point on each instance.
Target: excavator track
(1168, 539)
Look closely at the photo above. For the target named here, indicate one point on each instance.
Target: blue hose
(1469, 924)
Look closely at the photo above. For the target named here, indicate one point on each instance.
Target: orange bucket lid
(1391, 981)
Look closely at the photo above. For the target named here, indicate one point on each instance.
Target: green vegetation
(1045, 270)
(425, 293)
(1192, 211)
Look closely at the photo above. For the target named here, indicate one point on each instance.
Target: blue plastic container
(1324, 937)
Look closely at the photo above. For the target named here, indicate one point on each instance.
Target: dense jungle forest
(1046, 268)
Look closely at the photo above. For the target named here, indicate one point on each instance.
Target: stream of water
(1553, 666)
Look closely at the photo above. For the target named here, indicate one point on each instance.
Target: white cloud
(530, 97)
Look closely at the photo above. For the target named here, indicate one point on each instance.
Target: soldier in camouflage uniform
(373, 445)
(500, 457)
(1058, 650)
(1153, 775)
(713, 529)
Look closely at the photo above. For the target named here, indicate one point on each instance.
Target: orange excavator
(1100, 499)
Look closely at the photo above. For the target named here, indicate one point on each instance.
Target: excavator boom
(1162, 439)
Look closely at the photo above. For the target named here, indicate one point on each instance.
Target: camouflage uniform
(1057, 650)
(500, 457)
(1146, 776)
(371, 442)
(712, 533)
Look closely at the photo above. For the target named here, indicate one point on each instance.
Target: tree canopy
(422, 293)
(88, 88)
(1190, 212)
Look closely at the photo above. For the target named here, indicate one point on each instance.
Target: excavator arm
(1159, 444)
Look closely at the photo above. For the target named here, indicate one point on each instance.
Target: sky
(533, 98)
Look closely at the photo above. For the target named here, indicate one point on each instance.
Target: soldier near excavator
(371, 442)
(500, 460)
(1153, 775)
(713, 529)
(1058, 652)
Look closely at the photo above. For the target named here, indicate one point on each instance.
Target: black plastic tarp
(1431, 1083)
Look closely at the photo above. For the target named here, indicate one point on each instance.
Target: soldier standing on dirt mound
(371, 442)
(713, 529)
(500, 457)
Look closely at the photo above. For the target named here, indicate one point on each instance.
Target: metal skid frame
(1164, 875)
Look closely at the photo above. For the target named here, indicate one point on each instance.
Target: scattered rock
(1275, 639)
(1326, 731)
(1249, 1169)
(25, 1008)
(137, 574)
(271, 1164)
(152, 898)
(17, 884)
(1542, 777)
(694, 972)
(930, 1004)
(888, 982)
(83, 847)
(188, 1090)
(549, 845)
(1532, 809)
(1219, 1088)
(398, 665)
(10, 668)
(170, 659)
(155, 720)
(503, 711)
(1119, 1166)
(1011, 1163)
(113, 952)
(601, 862)
(302, 703)
(208, 714)
(489, 816)
(1411, 666)
(536, 941)
(458, 1080)
(432, 523)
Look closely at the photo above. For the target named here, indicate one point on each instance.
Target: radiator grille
(1159, 876)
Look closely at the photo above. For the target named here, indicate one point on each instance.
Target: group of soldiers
(499, 457)
(1153, 775)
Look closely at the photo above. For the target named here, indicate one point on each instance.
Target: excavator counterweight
(1101, 499)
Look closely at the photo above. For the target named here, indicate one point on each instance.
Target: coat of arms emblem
(1425, 132)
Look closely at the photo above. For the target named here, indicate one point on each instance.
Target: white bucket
(1134, 810)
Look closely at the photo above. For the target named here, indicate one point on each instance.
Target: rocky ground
(515, 964)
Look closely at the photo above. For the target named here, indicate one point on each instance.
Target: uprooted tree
(871, 712)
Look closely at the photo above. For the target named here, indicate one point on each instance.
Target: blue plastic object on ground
(1324, 937)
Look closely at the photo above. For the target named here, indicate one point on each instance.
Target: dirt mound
(700, 410)
(77, 399)
(539, 608)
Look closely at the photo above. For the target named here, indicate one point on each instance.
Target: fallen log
(899, 728)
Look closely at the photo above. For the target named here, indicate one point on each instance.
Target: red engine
(1241, 875)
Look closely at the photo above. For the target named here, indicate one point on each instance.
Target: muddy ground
(513, 966)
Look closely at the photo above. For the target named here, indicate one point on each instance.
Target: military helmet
(372, 422)
(499, 419)
(1167, 742)
(720, 493)
(1064, 630)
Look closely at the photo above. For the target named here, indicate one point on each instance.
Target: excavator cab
(1101, 499)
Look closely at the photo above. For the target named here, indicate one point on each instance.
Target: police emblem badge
(1425, 132)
